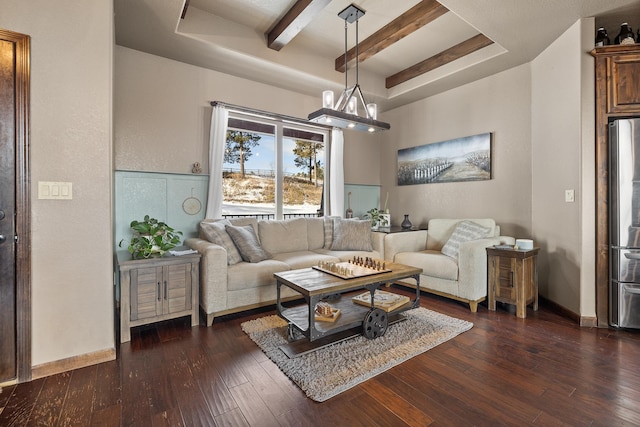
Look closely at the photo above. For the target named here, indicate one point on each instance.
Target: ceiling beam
(184, 9)
(405, 24)
(442, 58)
(298, 17)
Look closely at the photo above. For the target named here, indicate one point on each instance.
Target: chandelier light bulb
(352, 106)
(373, 111)
(327, 99)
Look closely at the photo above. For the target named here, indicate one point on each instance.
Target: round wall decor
(191, 205)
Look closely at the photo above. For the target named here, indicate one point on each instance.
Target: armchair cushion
(433, 263)
(464, 232)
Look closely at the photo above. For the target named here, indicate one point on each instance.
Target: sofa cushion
(348, 255)
(432, 263)
(464, 232)
(246, 275)
(215, 232)
(247, 243)
(283, 235)
(303, 259)
(351, 235)
(315, 232)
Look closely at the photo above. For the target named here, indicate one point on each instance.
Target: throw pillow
(328, 231)
(215, 232)
(247, 243)
(465, 231)
(351, 235)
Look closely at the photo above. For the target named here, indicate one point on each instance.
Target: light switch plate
(55, 190)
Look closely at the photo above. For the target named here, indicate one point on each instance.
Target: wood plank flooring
(543, 371)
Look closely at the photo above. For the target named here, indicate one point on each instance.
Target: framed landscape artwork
(460, 159)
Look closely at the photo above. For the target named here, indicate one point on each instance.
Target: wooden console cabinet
(617, 91)
(157, 289)
(513, 278)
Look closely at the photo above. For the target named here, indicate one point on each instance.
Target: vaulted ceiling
(408, 49)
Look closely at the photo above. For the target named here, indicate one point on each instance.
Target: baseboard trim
(75, 362)
(583, 321)
(589, 321)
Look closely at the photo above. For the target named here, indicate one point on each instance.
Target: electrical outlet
(569, 196)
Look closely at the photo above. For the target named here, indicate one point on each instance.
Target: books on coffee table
(388, 301)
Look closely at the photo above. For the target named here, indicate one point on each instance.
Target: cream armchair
(462, 278)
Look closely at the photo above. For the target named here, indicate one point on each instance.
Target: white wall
(499, 104)
(563, 159)
(71, 75)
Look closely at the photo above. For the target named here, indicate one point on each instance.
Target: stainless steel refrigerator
(624, 223)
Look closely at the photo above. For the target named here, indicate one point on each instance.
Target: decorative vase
(406, 223)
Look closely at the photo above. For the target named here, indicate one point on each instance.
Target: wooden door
(7, 210)
(146, 292)
(505, 289)
(15, 208)
(178, 287)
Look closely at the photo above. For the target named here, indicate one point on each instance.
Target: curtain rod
(271, 115)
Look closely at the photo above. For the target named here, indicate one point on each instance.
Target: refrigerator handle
(632, 291)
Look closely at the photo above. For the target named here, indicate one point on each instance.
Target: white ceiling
(229, 36)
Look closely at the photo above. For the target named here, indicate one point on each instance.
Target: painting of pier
(461, 159)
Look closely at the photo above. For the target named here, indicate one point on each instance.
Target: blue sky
(263, 156)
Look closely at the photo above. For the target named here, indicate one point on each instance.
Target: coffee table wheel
(294, 333)
(375, 323)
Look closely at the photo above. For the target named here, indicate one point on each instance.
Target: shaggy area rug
(331, 370)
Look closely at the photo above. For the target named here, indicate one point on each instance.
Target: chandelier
(344, 113)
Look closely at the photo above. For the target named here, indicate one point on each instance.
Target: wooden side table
(513, 278)
(156, 289)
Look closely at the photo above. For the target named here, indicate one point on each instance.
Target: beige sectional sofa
(460, 272)
(229, 285)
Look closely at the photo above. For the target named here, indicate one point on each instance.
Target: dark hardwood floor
(543, 370)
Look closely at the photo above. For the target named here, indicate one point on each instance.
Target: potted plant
(378, 219)
(151, 238)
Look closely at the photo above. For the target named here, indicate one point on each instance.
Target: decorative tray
(503, 246)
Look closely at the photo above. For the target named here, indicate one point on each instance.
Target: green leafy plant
(375, 215)
(151, 237)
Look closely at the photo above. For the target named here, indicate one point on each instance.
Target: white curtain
(336, 174)
(217, 140)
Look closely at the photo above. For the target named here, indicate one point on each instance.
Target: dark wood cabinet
(617, 94)
(623, 85)
(513, 278)
(157, 289)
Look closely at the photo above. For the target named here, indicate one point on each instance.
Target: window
(272, 169)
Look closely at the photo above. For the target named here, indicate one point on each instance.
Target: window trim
(280, 122)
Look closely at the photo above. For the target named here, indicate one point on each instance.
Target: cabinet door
(146, 292)
(177, 288)
(623, 83)
(505, 289)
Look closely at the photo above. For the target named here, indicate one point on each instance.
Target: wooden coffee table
(315, 285)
